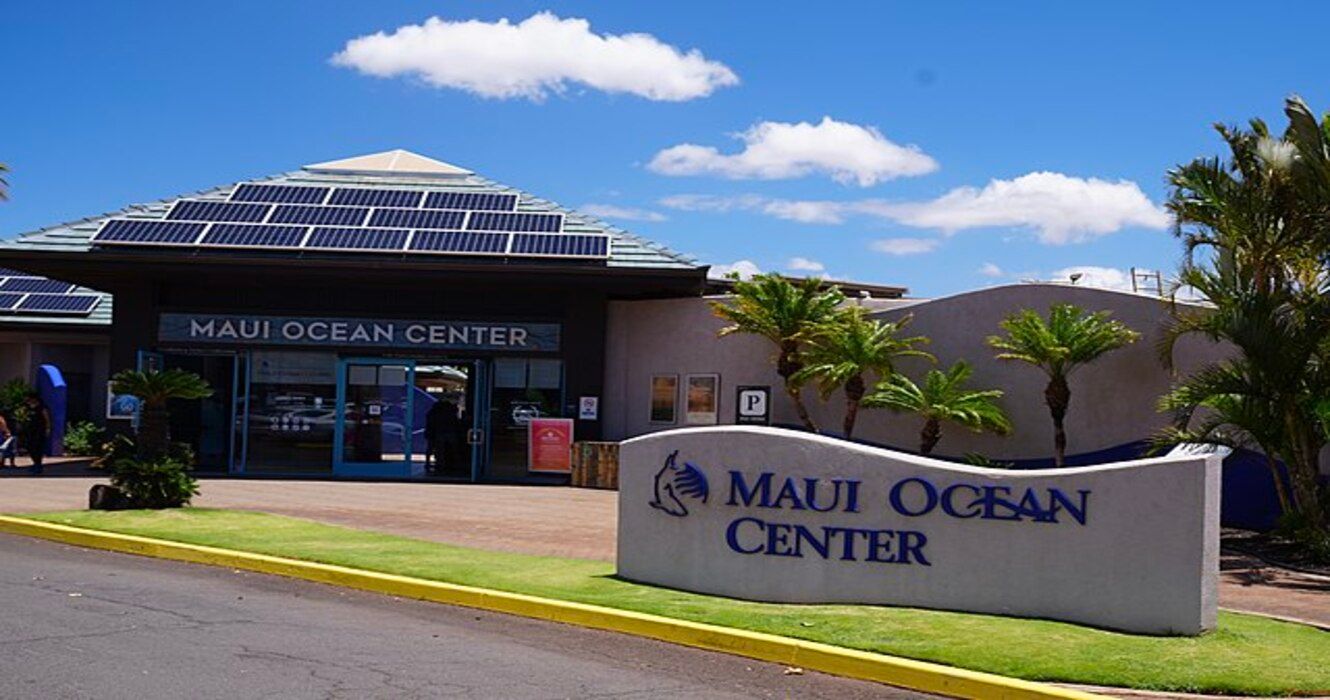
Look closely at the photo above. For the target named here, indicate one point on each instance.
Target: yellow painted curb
(900, 672)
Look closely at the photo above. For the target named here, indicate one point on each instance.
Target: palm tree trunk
(1058, 396)
(1304, 470)
(154, 431)
(1285, 505)
(854, 393)
(929, 436)
(788, 365)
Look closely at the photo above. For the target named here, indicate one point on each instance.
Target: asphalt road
(78, 623)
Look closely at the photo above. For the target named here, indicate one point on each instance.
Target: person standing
(8, 443)
(35, 433)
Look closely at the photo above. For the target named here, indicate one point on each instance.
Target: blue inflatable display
(51, 387)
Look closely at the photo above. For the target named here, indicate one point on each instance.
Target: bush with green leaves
(84, 438)
(164, 482)
(12, 396)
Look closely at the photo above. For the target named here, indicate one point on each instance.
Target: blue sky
(967, 143)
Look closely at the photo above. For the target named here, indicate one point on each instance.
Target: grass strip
(1247, 655)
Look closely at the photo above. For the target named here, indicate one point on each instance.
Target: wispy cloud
(905, 246)
(805, 265)
(989, 269)
(613, 211)
(541, 55)
(1057, 208)
(848, 153)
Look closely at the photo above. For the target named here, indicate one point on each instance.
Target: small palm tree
(154, 390)
(785, 314)
(1068, 339)
(943, 397)
(842, 351)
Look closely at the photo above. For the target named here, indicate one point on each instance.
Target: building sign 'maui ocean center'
(776, 515)
(358, 332)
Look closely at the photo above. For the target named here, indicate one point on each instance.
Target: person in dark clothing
(434, 435)
(35, 433)
(445, 432)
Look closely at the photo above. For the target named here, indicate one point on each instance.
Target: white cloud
(613, 211)
(989, 269)
(540, 55)
(778, 150)
(1060, 208)
(744, 268)
(1095, 276)
(905, 246)
(805, 265)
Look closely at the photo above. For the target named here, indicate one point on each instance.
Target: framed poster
(703, 399)
(664, 398)
(120, 406)
(549, 445)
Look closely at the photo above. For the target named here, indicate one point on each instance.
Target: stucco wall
(1113, 400)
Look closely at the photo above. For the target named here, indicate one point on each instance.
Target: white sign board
(588, 407)
(776, 515)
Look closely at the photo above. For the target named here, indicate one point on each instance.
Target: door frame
(398, 468)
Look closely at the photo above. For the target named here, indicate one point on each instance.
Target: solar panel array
(24, 293)
(357, 219)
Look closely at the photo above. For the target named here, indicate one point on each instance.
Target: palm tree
(942, 398)
(851, 345)
(154, 390)
(1070, 338)
(785, 314)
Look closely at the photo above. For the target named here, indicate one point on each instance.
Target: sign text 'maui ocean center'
(358, 332)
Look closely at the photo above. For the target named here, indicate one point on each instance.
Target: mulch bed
(1273, 549)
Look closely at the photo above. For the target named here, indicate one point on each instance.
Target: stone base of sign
(776, 515)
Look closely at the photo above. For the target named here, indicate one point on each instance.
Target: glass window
(523, 389)
(292, 412)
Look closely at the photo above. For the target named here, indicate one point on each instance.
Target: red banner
(549, 445)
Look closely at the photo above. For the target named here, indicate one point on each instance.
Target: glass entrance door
(374, 419)
(445, 439)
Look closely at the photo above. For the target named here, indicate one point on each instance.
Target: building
(333, 306)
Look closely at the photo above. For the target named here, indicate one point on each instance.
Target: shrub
(164, 482)
(12, 395)
(84, 438)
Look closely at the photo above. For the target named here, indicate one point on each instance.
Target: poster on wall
(664, 397)
(120, 406)
(549, 445)
(703, 399)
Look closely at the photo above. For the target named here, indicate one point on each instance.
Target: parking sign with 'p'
(752, 406)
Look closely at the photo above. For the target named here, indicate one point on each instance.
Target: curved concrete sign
(782, 516)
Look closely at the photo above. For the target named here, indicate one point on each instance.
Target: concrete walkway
(554, 521)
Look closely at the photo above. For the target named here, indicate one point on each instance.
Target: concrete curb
(905, 673)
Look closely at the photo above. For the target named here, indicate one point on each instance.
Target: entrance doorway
(206, 425)
(407, 418)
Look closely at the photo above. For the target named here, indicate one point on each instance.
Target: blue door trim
(401, 468)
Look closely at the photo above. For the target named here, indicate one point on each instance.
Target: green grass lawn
(1247, 655)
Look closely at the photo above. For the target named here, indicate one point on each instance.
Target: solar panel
(358, 239)
(59, 303)
(459, 242)
(503, 221)
(417, 218)
(563, 245)
(254, 236)
(35, 284)
(484, 201)
(319, 216)
(8, 300)
(281, 194)
(124, 231)
(10, 272)
(376, 198)
(190, 210)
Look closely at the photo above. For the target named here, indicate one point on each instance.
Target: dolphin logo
(673, 481)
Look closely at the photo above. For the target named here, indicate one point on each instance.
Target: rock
(103, 497)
